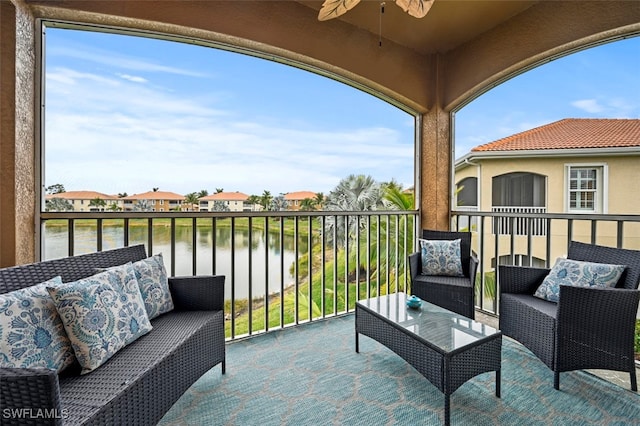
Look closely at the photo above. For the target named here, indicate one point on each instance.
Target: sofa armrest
(520, 279)
(26, 392)
(199, 293)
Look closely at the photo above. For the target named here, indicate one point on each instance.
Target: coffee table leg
(357, 345)
(498, 383)
(446, 409)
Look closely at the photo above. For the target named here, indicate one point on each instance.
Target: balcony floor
(311, 374)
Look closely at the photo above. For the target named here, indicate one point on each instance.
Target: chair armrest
(26, 391)
(520, 279)
(595, 323)
(415, 265)
(601, 311)
(200, 293)
(473, 268)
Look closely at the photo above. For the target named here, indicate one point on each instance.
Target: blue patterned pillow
(441, 257)
(101, 314)
(578, 274)
(154, 285)
(31, 332)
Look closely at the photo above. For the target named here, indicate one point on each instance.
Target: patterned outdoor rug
(311, 375)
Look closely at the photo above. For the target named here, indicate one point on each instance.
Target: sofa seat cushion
(149, 361)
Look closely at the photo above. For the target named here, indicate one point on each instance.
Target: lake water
(55, 245)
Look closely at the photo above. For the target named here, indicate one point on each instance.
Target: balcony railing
(519, 225)
(528, 245)
(284, 268)
(281, 268)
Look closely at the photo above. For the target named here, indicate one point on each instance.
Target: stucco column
(435, 169)
(17, 134)
(436, 155)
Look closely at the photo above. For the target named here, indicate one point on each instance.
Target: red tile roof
(226, 196)
(571, 133)
(155, 195)
(299, 195)
(81, 195)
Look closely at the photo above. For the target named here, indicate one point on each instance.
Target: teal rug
(311, 375)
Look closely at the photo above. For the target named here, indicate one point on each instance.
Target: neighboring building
(85, 201)
(585, 166)
(225, 201)
(294, 200)
(154, 201)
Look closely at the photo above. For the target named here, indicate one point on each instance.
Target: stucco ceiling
(449, 23)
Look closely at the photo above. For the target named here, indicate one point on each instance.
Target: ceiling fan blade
(334, 8)
(415, 8)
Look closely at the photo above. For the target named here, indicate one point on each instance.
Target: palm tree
(58, 205)
(113, 207)
(220, 206)
(191, 199)
(219, 190)
(98, 202)
(396, 199)
(308, 204)
(57, 188)
(265, 200)
(143, 206)
(355, 193)
(319, 200)
(278, 204)
(203, 193)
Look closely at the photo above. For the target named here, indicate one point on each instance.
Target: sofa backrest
(465, 244)
(611, 255)
(69, 268)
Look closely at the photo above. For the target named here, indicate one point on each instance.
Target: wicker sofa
(140, 382)
(588, 327)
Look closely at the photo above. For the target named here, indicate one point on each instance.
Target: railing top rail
(181, 215)
(574, 216)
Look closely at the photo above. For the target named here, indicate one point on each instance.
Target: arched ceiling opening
(451, 55)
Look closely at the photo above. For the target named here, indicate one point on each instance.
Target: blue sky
(127, 114)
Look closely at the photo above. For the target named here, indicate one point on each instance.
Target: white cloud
(589, 105)
(120, 136)
(133, 78)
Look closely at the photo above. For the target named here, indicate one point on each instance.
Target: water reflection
(213, 255)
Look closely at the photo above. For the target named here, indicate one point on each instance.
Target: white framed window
(585, 188)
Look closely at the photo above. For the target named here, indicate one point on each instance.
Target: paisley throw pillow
(101, 314)
(31, 332)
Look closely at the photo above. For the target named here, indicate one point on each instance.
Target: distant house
(86, 201)
(225, 201)
(584, 166)
(154, 201)
(294, 199)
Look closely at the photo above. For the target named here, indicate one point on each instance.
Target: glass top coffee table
(446, 348)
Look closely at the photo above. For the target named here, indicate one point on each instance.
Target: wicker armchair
(588, 327)
(456, 294)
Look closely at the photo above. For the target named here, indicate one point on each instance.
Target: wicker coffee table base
(445, 370)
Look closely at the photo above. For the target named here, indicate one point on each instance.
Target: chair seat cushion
(442, 279)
